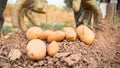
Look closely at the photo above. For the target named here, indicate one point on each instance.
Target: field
(103, 53)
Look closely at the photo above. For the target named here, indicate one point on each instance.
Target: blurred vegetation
(54, 14)
(7, 29)
(55, 19)
(50, 26)
(68, 6)
(8, 10)
(68, 3)
(118, 21)
(53, 26)
(44, 26)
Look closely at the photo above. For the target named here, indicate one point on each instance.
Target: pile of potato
(37, 48)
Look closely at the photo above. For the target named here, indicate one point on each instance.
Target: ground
(104, 53)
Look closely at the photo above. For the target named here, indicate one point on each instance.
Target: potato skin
(85, 34)
(56, 36)
(53, 48)
(70, 33)
(36, 49)
(45, 34)
(34, 33)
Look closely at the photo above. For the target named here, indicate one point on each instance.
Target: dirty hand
(90, 7)
(26, 7)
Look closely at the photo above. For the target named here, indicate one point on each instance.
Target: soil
(104, 53)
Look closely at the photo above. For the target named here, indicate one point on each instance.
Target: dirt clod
(73, 59)
(14, 54)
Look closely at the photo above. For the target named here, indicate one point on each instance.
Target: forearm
(16, 12)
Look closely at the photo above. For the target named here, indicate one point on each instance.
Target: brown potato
(53, 48)
(45, 34)
(34, 33)
(56, 36)
(36, 49)
(85, 34)
(70, 33)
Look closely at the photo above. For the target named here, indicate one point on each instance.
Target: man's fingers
(21, 21)
(29, 15)
(39, 8)
(16, 12)
(42, 11)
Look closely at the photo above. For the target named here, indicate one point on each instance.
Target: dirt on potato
(104, 53)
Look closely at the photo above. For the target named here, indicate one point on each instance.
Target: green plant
(45, 26)
(29, 25)
(52, 26)
(7, 29)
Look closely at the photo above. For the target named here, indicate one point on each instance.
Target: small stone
(64, 54)
(14, 54)
(41, 63)
(93, 63)
(73, 59)
(35, 64)
(20, 67)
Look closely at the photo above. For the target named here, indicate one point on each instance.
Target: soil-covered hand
(90, 7)
(26, 7)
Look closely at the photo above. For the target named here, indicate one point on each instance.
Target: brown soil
(104, 53)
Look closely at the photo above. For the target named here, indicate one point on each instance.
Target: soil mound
(104, 53)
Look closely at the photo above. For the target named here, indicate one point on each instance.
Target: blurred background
(58, 13)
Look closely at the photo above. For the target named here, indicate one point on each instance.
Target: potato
(56, 36)
(34, 33)
(7, 36)
(70, 33)
(36, 49)
(45, 34)
(53, 48)
(85, 34)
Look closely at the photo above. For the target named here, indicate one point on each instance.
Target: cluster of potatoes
(37, 49)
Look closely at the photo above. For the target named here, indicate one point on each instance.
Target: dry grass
(59, 17)
(53, 14)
